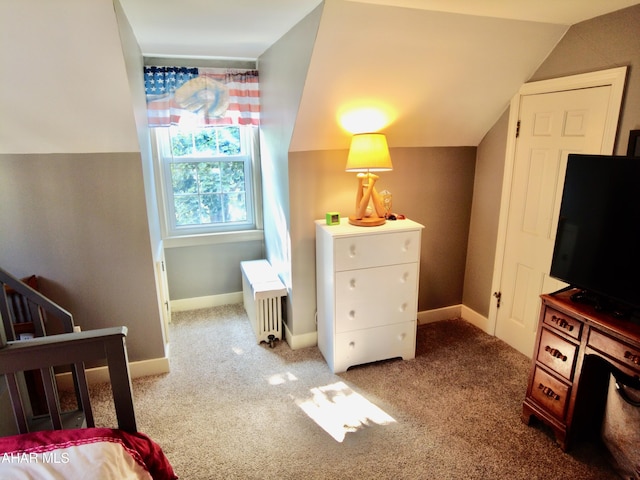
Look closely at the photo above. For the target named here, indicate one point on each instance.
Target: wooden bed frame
(43, 353)
(70, 348)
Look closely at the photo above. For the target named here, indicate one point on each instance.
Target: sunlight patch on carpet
(339, 410)
(281, 378)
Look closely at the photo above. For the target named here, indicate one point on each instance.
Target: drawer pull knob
(405, 277)
(554, 352)
(352, 345)
(352, 314)
(632, 357)
(406, 245)
(402, 336)
(548, 392)
(352, 251)
(352, 283)
(403, 307)
(562, 323)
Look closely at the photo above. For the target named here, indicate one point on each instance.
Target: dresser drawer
(550, 392)
(372, 344)
(623, 353)
(376, 296)
(364, 251)
(563, 323)
(557, 353)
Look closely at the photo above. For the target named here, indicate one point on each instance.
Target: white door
(551, 126)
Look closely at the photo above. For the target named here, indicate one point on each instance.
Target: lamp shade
(369, 153)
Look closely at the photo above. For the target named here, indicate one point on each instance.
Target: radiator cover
(262, 293)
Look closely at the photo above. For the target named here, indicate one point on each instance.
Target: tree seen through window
(208, 184)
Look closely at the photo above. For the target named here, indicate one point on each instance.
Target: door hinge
(518, 129)
(498, 296)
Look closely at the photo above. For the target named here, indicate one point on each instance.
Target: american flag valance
(201, 96)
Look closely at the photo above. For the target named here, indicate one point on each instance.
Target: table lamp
(368, 153)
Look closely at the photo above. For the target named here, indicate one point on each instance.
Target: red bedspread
(100, 453)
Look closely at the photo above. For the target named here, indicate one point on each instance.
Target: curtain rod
(199, 62)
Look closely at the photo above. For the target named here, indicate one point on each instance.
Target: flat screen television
(597, 246)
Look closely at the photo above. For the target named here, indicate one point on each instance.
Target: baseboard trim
(142, 368)
(437, 314)
(209, 301)
(297, 342)
(474, 318)
(311, 339)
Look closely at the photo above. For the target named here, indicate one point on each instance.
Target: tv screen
(597, 245)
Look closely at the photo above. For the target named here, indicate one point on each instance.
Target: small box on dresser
(367, 291)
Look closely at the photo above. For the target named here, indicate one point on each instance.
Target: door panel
(552, 126)
(542, 173)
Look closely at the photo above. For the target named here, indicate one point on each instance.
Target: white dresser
(367, 291)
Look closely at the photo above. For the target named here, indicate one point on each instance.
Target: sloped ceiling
(444, 70)
(565, 12)
(442, 78)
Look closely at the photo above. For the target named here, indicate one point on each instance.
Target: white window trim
(171, 240)
(213, 238)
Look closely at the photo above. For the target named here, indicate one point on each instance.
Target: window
(207, 178)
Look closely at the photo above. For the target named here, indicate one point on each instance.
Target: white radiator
(262, 293)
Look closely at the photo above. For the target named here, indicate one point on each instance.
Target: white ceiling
(246, 28)
(239, 29)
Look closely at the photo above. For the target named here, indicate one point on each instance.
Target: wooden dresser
(367, 291)
(576, 346)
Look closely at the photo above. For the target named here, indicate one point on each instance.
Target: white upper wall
(55, 96)
(445, 78)
(565, 12)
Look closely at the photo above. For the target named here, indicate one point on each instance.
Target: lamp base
(367, 221)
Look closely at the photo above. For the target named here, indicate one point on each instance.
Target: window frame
(194, 234)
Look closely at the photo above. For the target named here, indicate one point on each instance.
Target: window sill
(213, 238)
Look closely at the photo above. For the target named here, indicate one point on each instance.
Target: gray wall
(604, 42)
(205, 270)
(485, 212)
(79, 222)
(432, 186)
(72, 199)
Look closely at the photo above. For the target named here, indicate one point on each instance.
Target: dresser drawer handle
(554, 352)
(632, 357)
(548, 392)
(352, 251)
(562, 323)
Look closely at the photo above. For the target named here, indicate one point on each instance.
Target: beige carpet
(232, 409)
